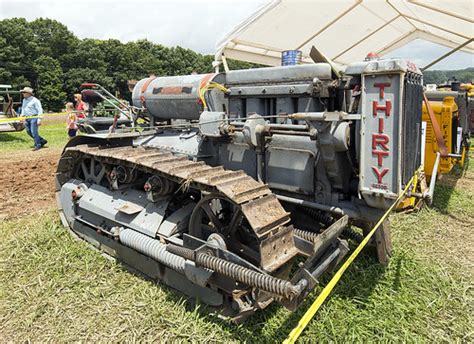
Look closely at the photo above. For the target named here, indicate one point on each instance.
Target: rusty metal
(330, 234)
(239, 273)
(258, 205)
(310, 236)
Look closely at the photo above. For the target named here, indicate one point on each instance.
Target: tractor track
(256, 201)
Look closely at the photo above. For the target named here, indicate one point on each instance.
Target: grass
(54, 288)
(54, 132)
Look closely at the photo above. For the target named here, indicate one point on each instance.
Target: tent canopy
(346, 30)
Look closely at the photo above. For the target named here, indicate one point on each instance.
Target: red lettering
(380, 154)
(380, 140)
(381, 86)
(381, 124)
(380, 174)
(376, 107)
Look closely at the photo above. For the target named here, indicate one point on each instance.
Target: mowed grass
(55, 288)
(52, 129)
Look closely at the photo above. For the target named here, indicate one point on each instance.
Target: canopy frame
(434, 22)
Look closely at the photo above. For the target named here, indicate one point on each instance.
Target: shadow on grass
(12, 138)
(358, 282)
(446, 187)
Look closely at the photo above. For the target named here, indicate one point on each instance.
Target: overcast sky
(194, 24)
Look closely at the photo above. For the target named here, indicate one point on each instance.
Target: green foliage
(49, 82)
(17, 52)
(441, 76)
(53, 38)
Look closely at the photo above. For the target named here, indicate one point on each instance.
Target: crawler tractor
(246, 185)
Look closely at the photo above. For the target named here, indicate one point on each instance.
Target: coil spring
(319, 216)
(352, 234)
(152, 248)
(249, 277)
(310, 236)
(327, 220)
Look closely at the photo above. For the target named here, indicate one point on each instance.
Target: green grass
(55, 133)
(55, 288)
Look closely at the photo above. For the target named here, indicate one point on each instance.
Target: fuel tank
(166, 97)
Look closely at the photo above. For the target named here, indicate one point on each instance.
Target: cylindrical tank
(171, 97)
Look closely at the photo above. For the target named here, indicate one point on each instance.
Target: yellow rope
(22, 118)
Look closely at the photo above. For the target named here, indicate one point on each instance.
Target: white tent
(346, 30)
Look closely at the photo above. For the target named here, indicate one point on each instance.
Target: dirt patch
(55, 118)
(27, 182)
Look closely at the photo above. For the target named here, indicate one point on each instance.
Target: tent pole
(447, 54)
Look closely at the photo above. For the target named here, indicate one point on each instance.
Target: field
(55, 288)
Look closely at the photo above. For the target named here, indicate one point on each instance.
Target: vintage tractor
(246, 185)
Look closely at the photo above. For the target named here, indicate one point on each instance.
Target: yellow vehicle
(446, 113)
(445, 136)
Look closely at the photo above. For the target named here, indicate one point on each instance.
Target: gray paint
(100, 200)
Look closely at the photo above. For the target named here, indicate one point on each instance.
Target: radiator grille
(411, 119)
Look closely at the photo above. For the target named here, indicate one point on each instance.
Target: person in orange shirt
(81, 106)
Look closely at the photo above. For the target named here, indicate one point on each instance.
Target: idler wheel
(91, 171)
(216, 214)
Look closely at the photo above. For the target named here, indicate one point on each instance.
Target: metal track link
(261, 208)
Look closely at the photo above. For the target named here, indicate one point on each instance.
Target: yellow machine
(447, 116)
(469, 88)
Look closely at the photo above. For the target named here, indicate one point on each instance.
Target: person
(81, 106)
(71, 120)
(31, 106)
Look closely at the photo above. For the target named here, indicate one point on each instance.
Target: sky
(193, 24)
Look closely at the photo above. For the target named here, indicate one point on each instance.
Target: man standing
(31, 106)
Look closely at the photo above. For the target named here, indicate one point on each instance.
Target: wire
(211, 85)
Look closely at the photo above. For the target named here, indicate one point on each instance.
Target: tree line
(45, 55)
(442, 76)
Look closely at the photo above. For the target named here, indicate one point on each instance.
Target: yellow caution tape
(296, 332)
(22, 118)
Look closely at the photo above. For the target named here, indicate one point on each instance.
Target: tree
(17, 51)
(52, 38)
(74, 77)
(49, 82)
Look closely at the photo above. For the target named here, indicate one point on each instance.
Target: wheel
(216, 214)
(91, 171)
